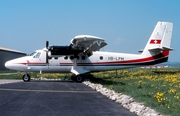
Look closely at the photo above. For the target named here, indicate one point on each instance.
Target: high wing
(81, 43)
(87, 43)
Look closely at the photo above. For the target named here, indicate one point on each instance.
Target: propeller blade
(47, 60)
(47, 44)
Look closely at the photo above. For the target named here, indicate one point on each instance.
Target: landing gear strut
(77, 78)
(26, 77)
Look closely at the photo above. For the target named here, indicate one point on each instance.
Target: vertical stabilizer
(160, 39)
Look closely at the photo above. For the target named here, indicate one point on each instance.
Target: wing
(87, 43)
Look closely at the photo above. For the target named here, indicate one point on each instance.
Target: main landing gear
(77, 78)
(26, 77)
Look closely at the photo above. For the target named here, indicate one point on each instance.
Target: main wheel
(26, 78)
(79, 78)
(73, 77)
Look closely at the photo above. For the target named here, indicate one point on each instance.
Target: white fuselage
(99, 61)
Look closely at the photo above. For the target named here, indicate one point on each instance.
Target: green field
(156, 88)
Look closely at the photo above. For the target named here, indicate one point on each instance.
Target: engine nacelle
(62, 50)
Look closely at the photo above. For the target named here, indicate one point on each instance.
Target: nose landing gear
(26, 77)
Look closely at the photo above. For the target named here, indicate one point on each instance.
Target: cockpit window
(37, 55)
(32, 54)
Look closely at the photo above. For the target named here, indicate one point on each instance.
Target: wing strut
(77, 70)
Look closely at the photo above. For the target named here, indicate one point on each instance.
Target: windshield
(32, 54)
(37, 55)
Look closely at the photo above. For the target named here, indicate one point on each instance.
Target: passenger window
(101, 57)
(83, 57)
(71, 57)
(65, 57)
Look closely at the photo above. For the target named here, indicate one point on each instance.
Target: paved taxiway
(48, 98)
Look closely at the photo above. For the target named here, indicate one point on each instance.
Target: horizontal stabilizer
(140, 51)
(167, 48)
(160, 49)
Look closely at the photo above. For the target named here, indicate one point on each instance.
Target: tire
(79, 78)
(26, 78)
(73, 77)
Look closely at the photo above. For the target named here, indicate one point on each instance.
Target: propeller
(47, 46)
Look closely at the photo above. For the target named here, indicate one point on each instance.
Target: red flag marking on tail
(155, 41)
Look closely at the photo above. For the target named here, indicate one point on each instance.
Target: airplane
(83, 56)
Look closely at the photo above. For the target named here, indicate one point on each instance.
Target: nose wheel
(26, 78)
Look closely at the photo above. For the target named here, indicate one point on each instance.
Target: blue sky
(126, 25)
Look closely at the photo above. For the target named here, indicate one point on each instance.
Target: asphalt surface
(55, 98)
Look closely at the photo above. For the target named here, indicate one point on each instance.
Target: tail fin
(160, 39)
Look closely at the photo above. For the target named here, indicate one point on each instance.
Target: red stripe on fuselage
(32, 63)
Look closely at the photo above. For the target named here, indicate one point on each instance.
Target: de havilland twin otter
(83, 56)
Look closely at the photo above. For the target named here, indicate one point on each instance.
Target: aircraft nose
(16, 64)
(9, 64)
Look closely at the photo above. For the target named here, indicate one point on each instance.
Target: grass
(10, 74)
(156, 88)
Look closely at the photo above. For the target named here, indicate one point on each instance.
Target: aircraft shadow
(70, 81)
